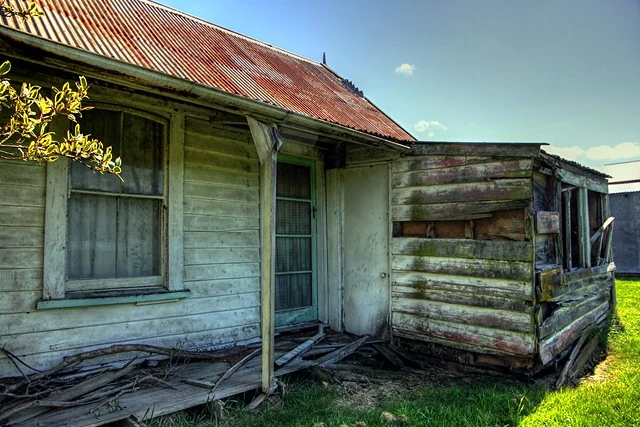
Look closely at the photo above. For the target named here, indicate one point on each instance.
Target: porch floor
(170, 386)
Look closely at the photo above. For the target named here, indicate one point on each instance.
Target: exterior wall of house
(462, 250)
(625, 207)
(219, 213)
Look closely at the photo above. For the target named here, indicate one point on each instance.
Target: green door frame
(310, 313)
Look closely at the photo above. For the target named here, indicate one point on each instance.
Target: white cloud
(428, 127)
(624, 150)
(596, 155)
(570, 153)
(405, 69)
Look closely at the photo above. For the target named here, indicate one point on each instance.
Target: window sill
(152, 298)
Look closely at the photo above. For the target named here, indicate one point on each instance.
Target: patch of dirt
(365, 387)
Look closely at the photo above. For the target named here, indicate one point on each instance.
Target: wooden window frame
(56, 216)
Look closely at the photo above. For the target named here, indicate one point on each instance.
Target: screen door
(296, 290)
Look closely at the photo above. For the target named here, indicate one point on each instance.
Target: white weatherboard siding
(221, 261)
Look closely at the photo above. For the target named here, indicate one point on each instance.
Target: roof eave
(191, 90)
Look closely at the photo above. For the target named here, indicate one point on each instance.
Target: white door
(366, 250)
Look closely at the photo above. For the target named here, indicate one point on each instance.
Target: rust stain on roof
(153, 36)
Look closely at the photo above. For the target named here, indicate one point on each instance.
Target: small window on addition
(499, 225)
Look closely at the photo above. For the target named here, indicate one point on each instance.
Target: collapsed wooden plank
(234, 368)
(299, 350)
(341, 353)
(36, 407)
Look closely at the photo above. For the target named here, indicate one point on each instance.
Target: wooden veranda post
(267, 141)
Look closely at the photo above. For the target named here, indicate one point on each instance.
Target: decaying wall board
(462, 254)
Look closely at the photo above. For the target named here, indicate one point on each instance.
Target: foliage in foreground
(609, 398)
(27, 114)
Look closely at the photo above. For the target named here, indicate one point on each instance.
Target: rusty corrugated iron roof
(159, 38)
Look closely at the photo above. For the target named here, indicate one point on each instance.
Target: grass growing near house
(611, 397)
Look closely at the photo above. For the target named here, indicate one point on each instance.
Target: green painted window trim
(111, 300)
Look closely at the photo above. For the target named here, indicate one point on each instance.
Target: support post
(267, 142)
(567, 230)
(583, 228)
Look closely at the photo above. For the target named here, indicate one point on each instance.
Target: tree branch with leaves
(25, 135)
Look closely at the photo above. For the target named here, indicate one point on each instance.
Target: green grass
(609, 398)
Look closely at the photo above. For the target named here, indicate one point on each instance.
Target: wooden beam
(267, 142)
(583, 228)
(566, 198)
(478, 149)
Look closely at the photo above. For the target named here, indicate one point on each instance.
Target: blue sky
(566, 72)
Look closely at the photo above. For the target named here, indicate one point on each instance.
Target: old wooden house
(262, 190)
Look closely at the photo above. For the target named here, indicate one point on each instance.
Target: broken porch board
(299, 350)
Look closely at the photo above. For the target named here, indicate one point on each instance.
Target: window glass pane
(293, 291)
(293, 254)
(138, 237)
(106, 126)
(293, 217)
(293, 181)
(141, 155)
(91, 246)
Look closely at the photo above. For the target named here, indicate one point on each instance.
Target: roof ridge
(228, 31)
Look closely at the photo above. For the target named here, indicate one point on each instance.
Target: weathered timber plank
(588, 182)
(498, 269)
(299, 350)
(456, 283)
(45, 359)
(21, 237)
(21, 174)
(221, 271)
(547, 222)
(555, 344)
(220, 223)
(218, 130)
(22, 216)
(218, 144)
(569, 290)
(209, 256)
(452, 211)
(503, 302)
(458, 248)
(200, 172)
(12, 279)
(219, 287)
(502, 189)
(19, 301)
(493, 149)
(456, 174)
(117, 332)
(502, 225)
(465, 314)
(467, 337)
(221, 239)
(220, 208)
(19, 195)
(563, 316)
(548, 280)
(221, 161)
(61, 319)
(209, 191)
(21, 258)
(421, 163)
(585, 273)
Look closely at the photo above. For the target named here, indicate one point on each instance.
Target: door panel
(366, 250)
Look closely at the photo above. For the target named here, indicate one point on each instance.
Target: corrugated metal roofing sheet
(162, 39)
(628, 187)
